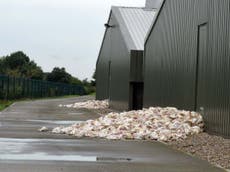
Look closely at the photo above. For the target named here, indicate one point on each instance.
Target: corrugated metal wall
(116, 86)
(170, 57)
(102, 68)
(120, 68)
(216, 67)
(122, 42)
(175, 73)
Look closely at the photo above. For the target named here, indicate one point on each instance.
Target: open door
(136, 95)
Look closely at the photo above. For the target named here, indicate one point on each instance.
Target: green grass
(4, 104)
(93, 94)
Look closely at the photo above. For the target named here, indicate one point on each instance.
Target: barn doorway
(136, 95)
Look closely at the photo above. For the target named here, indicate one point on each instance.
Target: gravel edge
(214, 149)
(203, 146)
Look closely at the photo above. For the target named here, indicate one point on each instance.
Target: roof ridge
(130, 7)
(118, 6)
(141, 8)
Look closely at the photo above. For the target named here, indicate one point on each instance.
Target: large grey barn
(187, 60)
(119, 65)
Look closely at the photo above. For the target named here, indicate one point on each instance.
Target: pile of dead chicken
(90, 104)
(162, 124)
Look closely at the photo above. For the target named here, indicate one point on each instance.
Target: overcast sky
(63, 33)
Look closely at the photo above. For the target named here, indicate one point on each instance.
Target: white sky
(63, 33)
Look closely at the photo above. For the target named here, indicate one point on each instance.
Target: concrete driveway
(24, 149)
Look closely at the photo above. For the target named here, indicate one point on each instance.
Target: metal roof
(134, 24)
(153, 3)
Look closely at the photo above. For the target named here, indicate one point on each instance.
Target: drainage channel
(111, 159)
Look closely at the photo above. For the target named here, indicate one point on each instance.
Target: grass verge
(93, 94)
(5, 103)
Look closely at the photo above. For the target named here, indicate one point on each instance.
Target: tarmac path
(24, 149)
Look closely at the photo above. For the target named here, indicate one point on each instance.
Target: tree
(18, 64)
(16, 60)
(90, 85)
(93, 81)
(76, 81)
(1, 66)
(59, 75)
(32, 71)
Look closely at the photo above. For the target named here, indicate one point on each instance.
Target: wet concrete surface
(23, 148)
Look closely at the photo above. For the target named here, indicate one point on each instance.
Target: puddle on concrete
(45, 157)
(17, 149)
(16, 141)
(55, 122)
(13, 112)
(14, 149)
(75, 113)
(11, 146)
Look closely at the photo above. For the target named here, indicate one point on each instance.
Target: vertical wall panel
(170, 57)
(217, 90)
(113, 69)
(103, 63)
(170, 74)
(120, 71)
(102, 85)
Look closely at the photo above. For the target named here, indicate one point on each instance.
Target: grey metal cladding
(134, 24)
(120, 68)
(122, 42)
(104, 37)
(102, 69)
(216, 67)
(171, 61)
(153, 3)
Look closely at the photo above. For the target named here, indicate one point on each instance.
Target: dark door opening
(136, 95)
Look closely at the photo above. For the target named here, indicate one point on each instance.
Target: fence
(15, 88)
